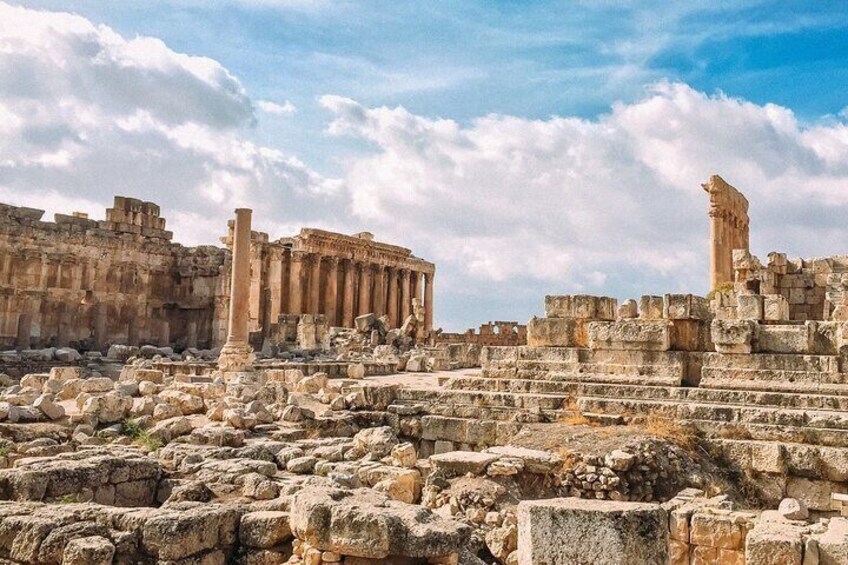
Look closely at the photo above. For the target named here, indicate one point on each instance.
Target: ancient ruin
(291, 402)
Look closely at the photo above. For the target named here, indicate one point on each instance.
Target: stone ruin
(672, 429)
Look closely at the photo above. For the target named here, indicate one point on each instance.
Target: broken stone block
(458, 463)
(775, 308)
(581, 307)
(628, 309)
(556, 332)
(749, 307)
(793, 509)
(685, 307)
(92, 550)
(365, 322)
(651, 307)
(264, 530)
(572, 530)
(733, 336)
(629, 334)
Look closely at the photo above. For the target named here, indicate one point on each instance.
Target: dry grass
(734, 431)
(573, 416)
(683, 436)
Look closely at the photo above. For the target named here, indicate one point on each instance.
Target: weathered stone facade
(728, 228)
(88, 283)
(492, 333)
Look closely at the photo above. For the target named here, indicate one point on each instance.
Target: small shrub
(572, 415)
(723, 287)
(5, 450)
(146, 442)
(131, 429)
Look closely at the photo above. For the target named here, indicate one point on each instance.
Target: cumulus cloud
(87, 112)
(275, 108)
(611, 205)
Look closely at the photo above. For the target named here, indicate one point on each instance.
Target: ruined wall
(492, 334)
(88, 284)
(728, 228)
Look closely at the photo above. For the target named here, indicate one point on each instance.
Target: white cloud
(89, 113)
(606, 205)
(278, 109)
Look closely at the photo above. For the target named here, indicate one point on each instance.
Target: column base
(235, 357)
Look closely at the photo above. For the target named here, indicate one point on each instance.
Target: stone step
(732, 396)
(525, 401)
(727, 413)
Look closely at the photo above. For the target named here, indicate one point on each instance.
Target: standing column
(101, 313)
(331, 292)
(24, 337)
(392, 298)
(428, 303)
(315, 285)
(405, 301)
(295, 288)
(236, 355)
(364, 289)
(416, 284)
(379, 290)
(347, 299)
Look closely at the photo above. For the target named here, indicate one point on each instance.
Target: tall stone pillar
(347, 299)
(64, 326)
(132, 327)
(191, 334)
(274, 284)
(729, 227)
(237, 355)
(332, 291)
(379, 290)
(295, 283)
(416, 284)
(315, 285)
(392, 298)
(405, 299)
(364, 289)
(428, 303)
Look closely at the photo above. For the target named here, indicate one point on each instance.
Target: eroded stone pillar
(101, 314)
(405, 299)
(379, 290)
(347, 298)
(729, 227)
(315, 285)
(295, 286)
(364, 289)
(331, 292)
(24, 337)
(237, 355)
(428, 302)
(392, 298)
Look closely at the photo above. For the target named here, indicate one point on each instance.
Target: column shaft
(315, 285)
(364, 289)
(405, 300)
(379, 290)
(393, 298)
(240, 279)
(295, 283)
(347, 299)
(428, 303)
(331, 292)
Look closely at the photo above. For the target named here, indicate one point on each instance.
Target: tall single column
(295, 283)
(416, 284)
(24, 337)
(364, 289)
(315, 285)
(392, 298)
(405, 300)
(428, 302)
(332, 291)
(237, 355)
(379, 290)
(347, 299)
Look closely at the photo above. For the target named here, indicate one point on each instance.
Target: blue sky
(526, 147)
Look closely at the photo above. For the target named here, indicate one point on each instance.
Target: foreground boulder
(362, 523)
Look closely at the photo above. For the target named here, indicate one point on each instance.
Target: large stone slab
(556, 332)
(581, 306)
(645, 335)
(596, 532)
(457, 463)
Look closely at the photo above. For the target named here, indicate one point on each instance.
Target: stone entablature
(90, 283)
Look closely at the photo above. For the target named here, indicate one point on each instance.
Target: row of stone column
(342, 289)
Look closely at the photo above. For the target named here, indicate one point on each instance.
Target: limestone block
(686, 307)
(833, 544)
(690, 335)
(651, 307)
(580, 306)
(814, 493)
(458, 463)
(785, 338)
(572, 530)
(733, 336)
(749, 307)
(556, 332)
(719, 531)
(773, 542)
(775, 308)
(628, 309)
(629, 334)
(91, 550)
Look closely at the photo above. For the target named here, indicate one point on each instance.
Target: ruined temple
(91, 283)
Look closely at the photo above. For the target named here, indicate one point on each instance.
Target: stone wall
(88, 284)
(491, 333)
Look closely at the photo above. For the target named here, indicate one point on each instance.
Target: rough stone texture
(585, 532)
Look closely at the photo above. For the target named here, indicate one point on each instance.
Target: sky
(525, 147)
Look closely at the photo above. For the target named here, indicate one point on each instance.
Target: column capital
(297, 255)
(333, 259)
